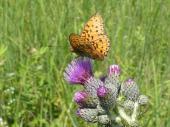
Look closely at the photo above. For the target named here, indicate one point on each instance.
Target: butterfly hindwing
(98, 47)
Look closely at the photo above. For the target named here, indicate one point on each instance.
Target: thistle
(107, 100)
(78, 71)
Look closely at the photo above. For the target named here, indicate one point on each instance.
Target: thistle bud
(107, 96)
(130, 90)
(114, 70)
(143, 100)
(91, 86)
(102, 91)
(89, 115)
(80, 97)
(83, 99)
(104, 119)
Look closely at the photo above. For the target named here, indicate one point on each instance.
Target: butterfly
(93, 41)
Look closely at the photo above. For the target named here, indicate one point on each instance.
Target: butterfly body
(92, 42)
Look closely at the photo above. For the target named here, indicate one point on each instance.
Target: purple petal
(78, 71)
(80, 97)
(102, 91)
(83, 99)
(114, 69)
(129, 81)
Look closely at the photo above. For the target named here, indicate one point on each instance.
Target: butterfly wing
(98, 49)
(92, 42)
(93, 27)
(95, 39)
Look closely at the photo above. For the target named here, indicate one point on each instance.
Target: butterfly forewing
(93, 27)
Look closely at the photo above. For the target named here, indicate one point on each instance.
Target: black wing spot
(86, 31)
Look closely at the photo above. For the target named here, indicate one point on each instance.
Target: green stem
(131, 120)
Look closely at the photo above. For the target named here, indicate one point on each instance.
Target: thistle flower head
(78, 71)
(112, 81)
(114, 70)
(89, 115)
(100, 96)
(102, 91)
(80, 97)
(130, 89)
(107, 96)
(83, 99)
(92, 85)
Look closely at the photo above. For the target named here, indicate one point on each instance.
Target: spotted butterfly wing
(92, 42)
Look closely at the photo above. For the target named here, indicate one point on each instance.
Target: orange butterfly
(92, 42)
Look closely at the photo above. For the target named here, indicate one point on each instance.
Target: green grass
(34, 50)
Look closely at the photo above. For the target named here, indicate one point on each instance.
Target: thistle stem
(134, 114)
(131, 120)
(123, 114)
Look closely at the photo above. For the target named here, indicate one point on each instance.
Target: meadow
(34, 51)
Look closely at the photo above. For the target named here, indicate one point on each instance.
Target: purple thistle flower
(102, 91)
(78, 71)
(83, 99)
(80, 97)
(107, 96)
(114, 69)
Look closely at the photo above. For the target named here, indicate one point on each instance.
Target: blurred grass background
(34, 50)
